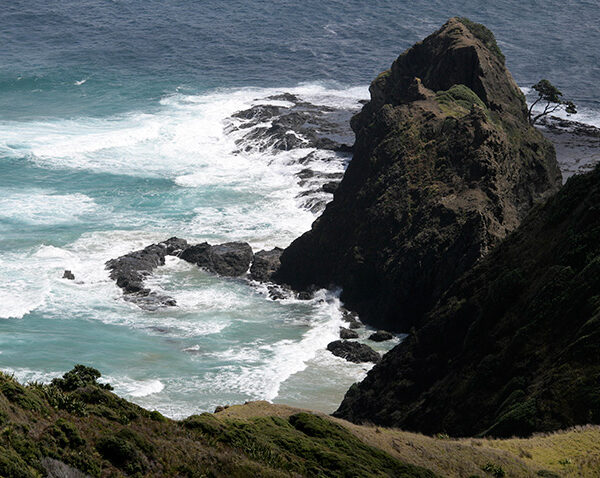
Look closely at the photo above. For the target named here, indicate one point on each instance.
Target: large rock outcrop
(514, 346)
(445, 165)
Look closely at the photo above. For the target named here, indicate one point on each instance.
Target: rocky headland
(514, 345)
(445, 166)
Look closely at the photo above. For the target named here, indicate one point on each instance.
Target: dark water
(132, 52)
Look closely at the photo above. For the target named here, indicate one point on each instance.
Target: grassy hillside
(78, 424)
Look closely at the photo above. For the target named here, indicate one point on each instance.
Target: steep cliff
(514, 346)
(445, 165)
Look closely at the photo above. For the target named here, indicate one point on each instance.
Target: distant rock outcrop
(445, 165)
(514, 346)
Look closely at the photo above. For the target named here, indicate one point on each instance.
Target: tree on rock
(552, 96)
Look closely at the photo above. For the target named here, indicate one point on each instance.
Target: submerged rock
(265, 263)
(68, 275)
(353, 351)
(445, 165)
(381, 336)
(320, 130)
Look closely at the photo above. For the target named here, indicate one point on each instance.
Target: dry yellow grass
(570, 453)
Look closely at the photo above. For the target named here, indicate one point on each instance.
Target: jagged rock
(513, 348)
(130, 270)
(265, 263)
(353, 351)
(445, 165)
(355, 324)
(381, 336)
(347, 333)
(276, 293)
(197, 254)
(68, 275)
(230, 259)
(174, 246)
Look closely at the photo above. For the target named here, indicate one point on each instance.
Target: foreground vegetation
(77, 426)
(77, 422)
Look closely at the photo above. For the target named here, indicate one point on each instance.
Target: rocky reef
(231, 259)
(445, 166)
(514, 345)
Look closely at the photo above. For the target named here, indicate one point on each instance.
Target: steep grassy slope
(514, 346)
(77, 424)
(445, 165)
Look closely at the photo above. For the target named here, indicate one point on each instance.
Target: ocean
(116, 132)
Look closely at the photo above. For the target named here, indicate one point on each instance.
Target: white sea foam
(134, 388)
(42, 207)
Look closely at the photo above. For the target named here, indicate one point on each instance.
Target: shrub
(495, 470)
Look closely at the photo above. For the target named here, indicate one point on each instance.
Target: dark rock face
(445, 165)
(231, 259)
(347, 333)
(265, 264)
(197, 254)
(513, 348)
(381, 336)
(353, 351)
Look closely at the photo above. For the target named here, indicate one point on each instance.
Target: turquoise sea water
(114, 134)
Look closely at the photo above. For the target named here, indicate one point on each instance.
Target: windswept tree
(553, 97)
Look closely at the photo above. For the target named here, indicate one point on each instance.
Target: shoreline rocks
(265, 264)
(130, 270)
(347, 333)
(381, 336)
(353, 351)
(322, 131)
(231, 259)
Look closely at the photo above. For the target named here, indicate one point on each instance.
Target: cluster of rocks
(300, 125)
(354, 351)
(231, 259)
